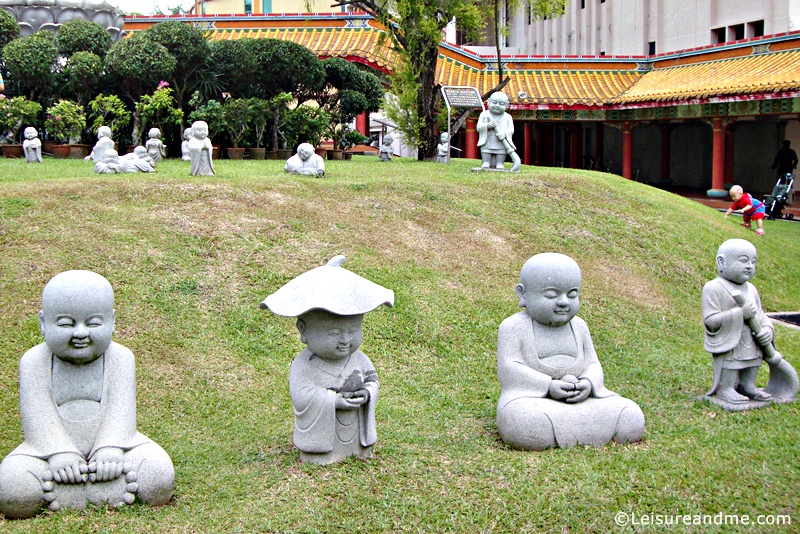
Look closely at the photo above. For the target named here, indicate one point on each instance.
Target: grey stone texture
(333, 385)
(495, 134)
(552, 391)
(78, 411)
(305, 162)
(35, 15)
(200, 150)
(32, 146)
(740, 337)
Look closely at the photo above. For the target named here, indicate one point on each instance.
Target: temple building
(700, 95)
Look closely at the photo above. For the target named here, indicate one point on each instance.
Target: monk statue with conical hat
(333, 385)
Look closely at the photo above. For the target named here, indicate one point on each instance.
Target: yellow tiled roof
(369, 43)
(762, 73)
(584, 87)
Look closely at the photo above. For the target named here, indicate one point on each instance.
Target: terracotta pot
(256, 153)
(321, 152)
(335, 154)
(47, 147)
(271, 154)
(348, 156)
(215, 149)
(284, 153)
(79, 151)
(61, 151)
(12, 151)
(235, 153)
(129, 149)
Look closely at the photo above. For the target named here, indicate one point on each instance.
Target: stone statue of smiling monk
(333, 385)
(78, 408)
(552, 392)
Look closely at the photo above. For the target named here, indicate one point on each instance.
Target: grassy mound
(191, 258)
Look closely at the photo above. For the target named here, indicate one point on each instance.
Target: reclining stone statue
(552, 392)
(78, 408)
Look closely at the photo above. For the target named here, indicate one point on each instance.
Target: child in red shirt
(750, 207)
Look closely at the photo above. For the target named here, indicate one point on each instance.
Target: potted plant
(262, 115)
(158, 111)
(65, 121)
(212, 113)
(238, 114)
(15, 113)
(279, 105)
(350, 139)
(306, 124)
(109, 111)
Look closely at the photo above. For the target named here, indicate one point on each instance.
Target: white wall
(626, 27)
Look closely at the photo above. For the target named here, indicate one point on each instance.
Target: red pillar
(545, 146)
(471, 141)
(528, 140)
(627, 150)
(576, 146)
(718, 160)
(362, 123)
(728, 174)
(598, 146)
(666, 130)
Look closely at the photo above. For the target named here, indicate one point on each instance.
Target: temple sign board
(460, 97)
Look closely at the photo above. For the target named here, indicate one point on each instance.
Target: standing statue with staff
(495, 134)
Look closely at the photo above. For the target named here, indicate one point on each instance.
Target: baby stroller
(775, 202)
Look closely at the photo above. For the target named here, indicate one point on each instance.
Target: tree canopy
(83, 36)
(9, 28)
(31, 62)
(138, 64)
(187, 45)
(415, 28)
(285, 67)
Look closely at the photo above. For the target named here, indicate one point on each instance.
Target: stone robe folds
(200, 151)
(732, 344)
(528, 420)
(487, 138)
(314, 165)
(319, 427)
(47, 432)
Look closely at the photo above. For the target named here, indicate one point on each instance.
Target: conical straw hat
(331, 288)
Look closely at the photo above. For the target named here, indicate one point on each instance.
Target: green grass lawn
(191, 258)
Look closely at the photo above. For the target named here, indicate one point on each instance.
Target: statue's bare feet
(131, 486)
(49, 496)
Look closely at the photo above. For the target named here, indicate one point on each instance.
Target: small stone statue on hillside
(187, 134)
(104, 142)
(740, 336)
(306, 162)
(386, 150)
(77, 395)
(200, 150)
(32, 145)
(155, 147)
(552, 391)
(443, 148)
(495, 135)
(333, 385)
